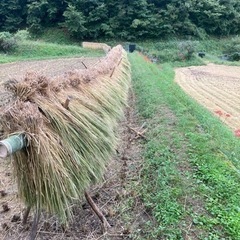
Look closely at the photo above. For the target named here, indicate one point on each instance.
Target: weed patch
(183, 53)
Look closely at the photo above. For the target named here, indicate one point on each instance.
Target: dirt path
(217, 87)
(111, 196)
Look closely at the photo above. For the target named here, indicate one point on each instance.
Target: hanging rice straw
(69, 122)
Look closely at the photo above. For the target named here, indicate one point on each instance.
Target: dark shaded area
(128, 20)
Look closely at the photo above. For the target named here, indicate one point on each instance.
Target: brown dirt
(146, 58)
(47, 67)
(116, 196)
(217, 87)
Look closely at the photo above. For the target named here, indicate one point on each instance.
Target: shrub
(7, 42)
(167, 55)
(232, 49)
(234, 56)
(186, 50)
(22, 35)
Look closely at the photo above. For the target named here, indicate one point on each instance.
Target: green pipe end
(11, 145)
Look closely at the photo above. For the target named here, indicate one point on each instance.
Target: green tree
(125, 19)
(175, 18)
(97, 21)
(194, 17)
(206, 14)
(44, 13)
(218, 17)
(230, 18)
(133, 19)
(87, 19)
(75, 22)
(12, 14)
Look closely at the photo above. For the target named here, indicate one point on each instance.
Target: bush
(186, 50)
(22, 35)
(234, 56)
(7, 42)
(167, 55)
(232, 49)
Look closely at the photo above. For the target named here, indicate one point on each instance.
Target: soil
(112, 195)
(47, 67)
(217, 87)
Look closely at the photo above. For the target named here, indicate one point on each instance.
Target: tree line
(123, 19)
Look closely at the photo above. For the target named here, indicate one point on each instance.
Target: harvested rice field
(48, 67)
(216, 87)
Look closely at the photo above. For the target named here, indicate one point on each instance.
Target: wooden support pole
(112, 72)
(66, 104)
(120, 61)
(84, 65)
(25, 215)
(33, 232)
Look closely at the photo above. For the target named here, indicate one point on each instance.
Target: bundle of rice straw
(68, 144)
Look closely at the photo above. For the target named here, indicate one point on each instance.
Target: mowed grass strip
(190, 179)
(37, 50)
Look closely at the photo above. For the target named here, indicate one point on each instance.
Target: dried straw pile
(93, 45)
(68, 146)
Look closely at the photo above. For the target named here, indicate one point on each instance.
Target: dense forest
(123, 19)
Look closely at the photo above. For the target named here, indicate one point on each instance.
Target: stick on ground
(139, 134)
(97, 210)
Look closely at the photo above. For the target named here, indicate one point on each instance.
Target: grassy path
(191, 178)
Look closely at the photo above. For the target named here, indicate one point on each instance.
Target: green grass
(56, 35)
(33, 50)
(191, 174)
(170, 51)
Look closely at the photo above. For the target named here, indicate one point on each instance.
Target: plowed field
(217, 87)
(50, 68)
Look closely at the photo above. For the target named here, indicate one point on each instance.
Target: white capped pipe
(11, 145)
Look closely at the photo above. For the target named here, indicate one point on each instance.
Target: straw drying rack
(61, 131)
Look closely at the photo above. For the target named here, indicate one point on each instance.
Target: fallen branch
(97, 211)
